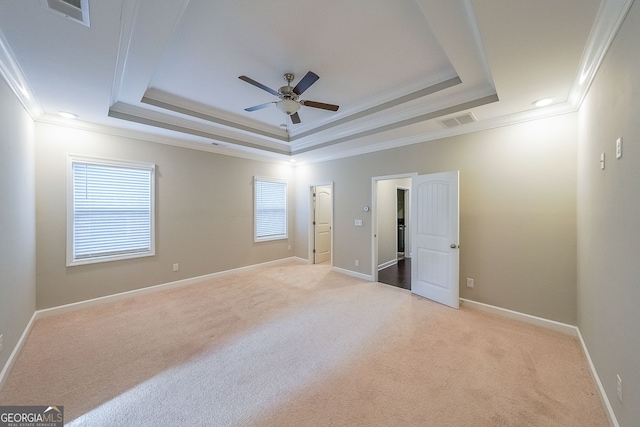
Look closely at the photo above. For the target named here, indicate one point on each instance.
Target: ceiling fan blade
(295, 118)
(304, 84)
(322, 105)
(260, 85)
(259, 107)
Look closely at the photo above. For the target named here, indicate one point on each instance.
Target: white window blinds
(270, 209)
(111, 212)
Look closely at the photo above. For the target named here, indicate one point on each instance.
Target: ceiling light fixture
(67, 115)
(288, 106)
(543, 102)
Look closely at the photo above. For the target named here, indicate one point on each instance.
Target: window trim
(283, 236)
(71, 159)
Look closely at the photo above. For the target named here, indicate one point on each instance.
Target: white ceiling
(167, 70)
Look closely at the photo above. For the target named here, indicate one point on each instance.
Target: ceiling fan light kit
(289, 103)
(288, 106)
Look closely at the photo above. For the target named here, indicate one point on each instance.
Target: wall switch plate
(469, 282)
(176, 267)
(357, 263)
(618, 148)
(602, 161)
(358, 223)
(619, 388)
(0, 343)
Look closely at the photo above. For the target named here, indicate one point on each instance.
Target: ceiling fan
(289, 102)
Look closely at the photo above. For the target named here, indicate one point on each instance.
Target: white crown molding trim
(368, 116)
(432, 84)
(170, 102)
(609, 19)
(13, 75)
(163, 121)
(384, 121)
(507, 120)
(182, 141)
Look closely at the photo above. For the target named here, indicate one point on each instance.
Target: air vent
(460, 120)
(78, 10)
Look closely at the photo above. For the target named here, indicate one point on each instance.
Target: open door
(322, 224)
(434, 237)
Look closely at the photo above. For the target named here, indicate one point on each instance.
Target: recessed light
(67, 115)
(543, 102)
(293, 160)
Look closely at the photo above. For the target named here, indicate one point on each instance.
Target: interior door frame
(407, 218)
(374, 217)
(311, 237)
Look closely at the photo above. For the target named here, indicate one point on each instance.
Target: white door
(322, 224)
(434, 237)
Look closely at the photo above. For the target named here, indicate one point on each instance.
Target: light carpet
(300, 345)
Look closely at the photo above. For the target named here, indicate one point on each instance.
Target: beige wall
(17, 221)
(517, 210)
(204, 209)
(609, 221)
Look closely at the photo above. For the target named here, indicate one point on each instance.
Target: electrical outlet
(469, 282)
(176, 267)
(357, 263)
(0, 343)
(619, 388)
(289, 247)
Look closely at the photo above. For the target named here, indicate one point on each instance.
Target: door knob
(454, 246)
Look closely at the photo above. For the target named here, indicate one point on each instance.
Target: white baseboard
(613, 421)
(539, 321)
(47, 312)
(128, 294)
(549, 324)
(16, 350)
(351, 273)
(559, 327)
(387, 264)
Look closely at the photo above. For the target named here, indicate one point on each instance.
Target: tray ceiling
(399, 71)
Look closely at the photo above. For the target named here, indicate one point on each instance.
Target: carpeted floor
(300, 345)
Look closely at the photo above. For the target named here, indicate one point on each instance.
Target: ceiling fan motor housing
(288, 95)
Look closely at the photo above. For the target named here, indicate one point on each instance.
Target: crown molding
(12, 74)
(608, 21)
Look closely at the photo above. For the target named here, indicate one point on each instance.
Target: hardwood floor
(398, 275)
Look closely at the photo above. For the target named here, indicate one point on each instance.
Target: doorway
(434, 234)
(322, 219)
(391, 237)
(402, 219)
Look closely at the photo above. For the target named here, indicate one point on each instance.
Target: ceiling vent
(460, 120)
(78, 10)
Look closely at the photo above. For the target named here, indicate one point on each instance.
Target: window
(270, 209)
(110, 210)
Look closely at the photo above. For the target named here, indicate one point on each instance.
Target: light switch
(618, 148)
(358, 223)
